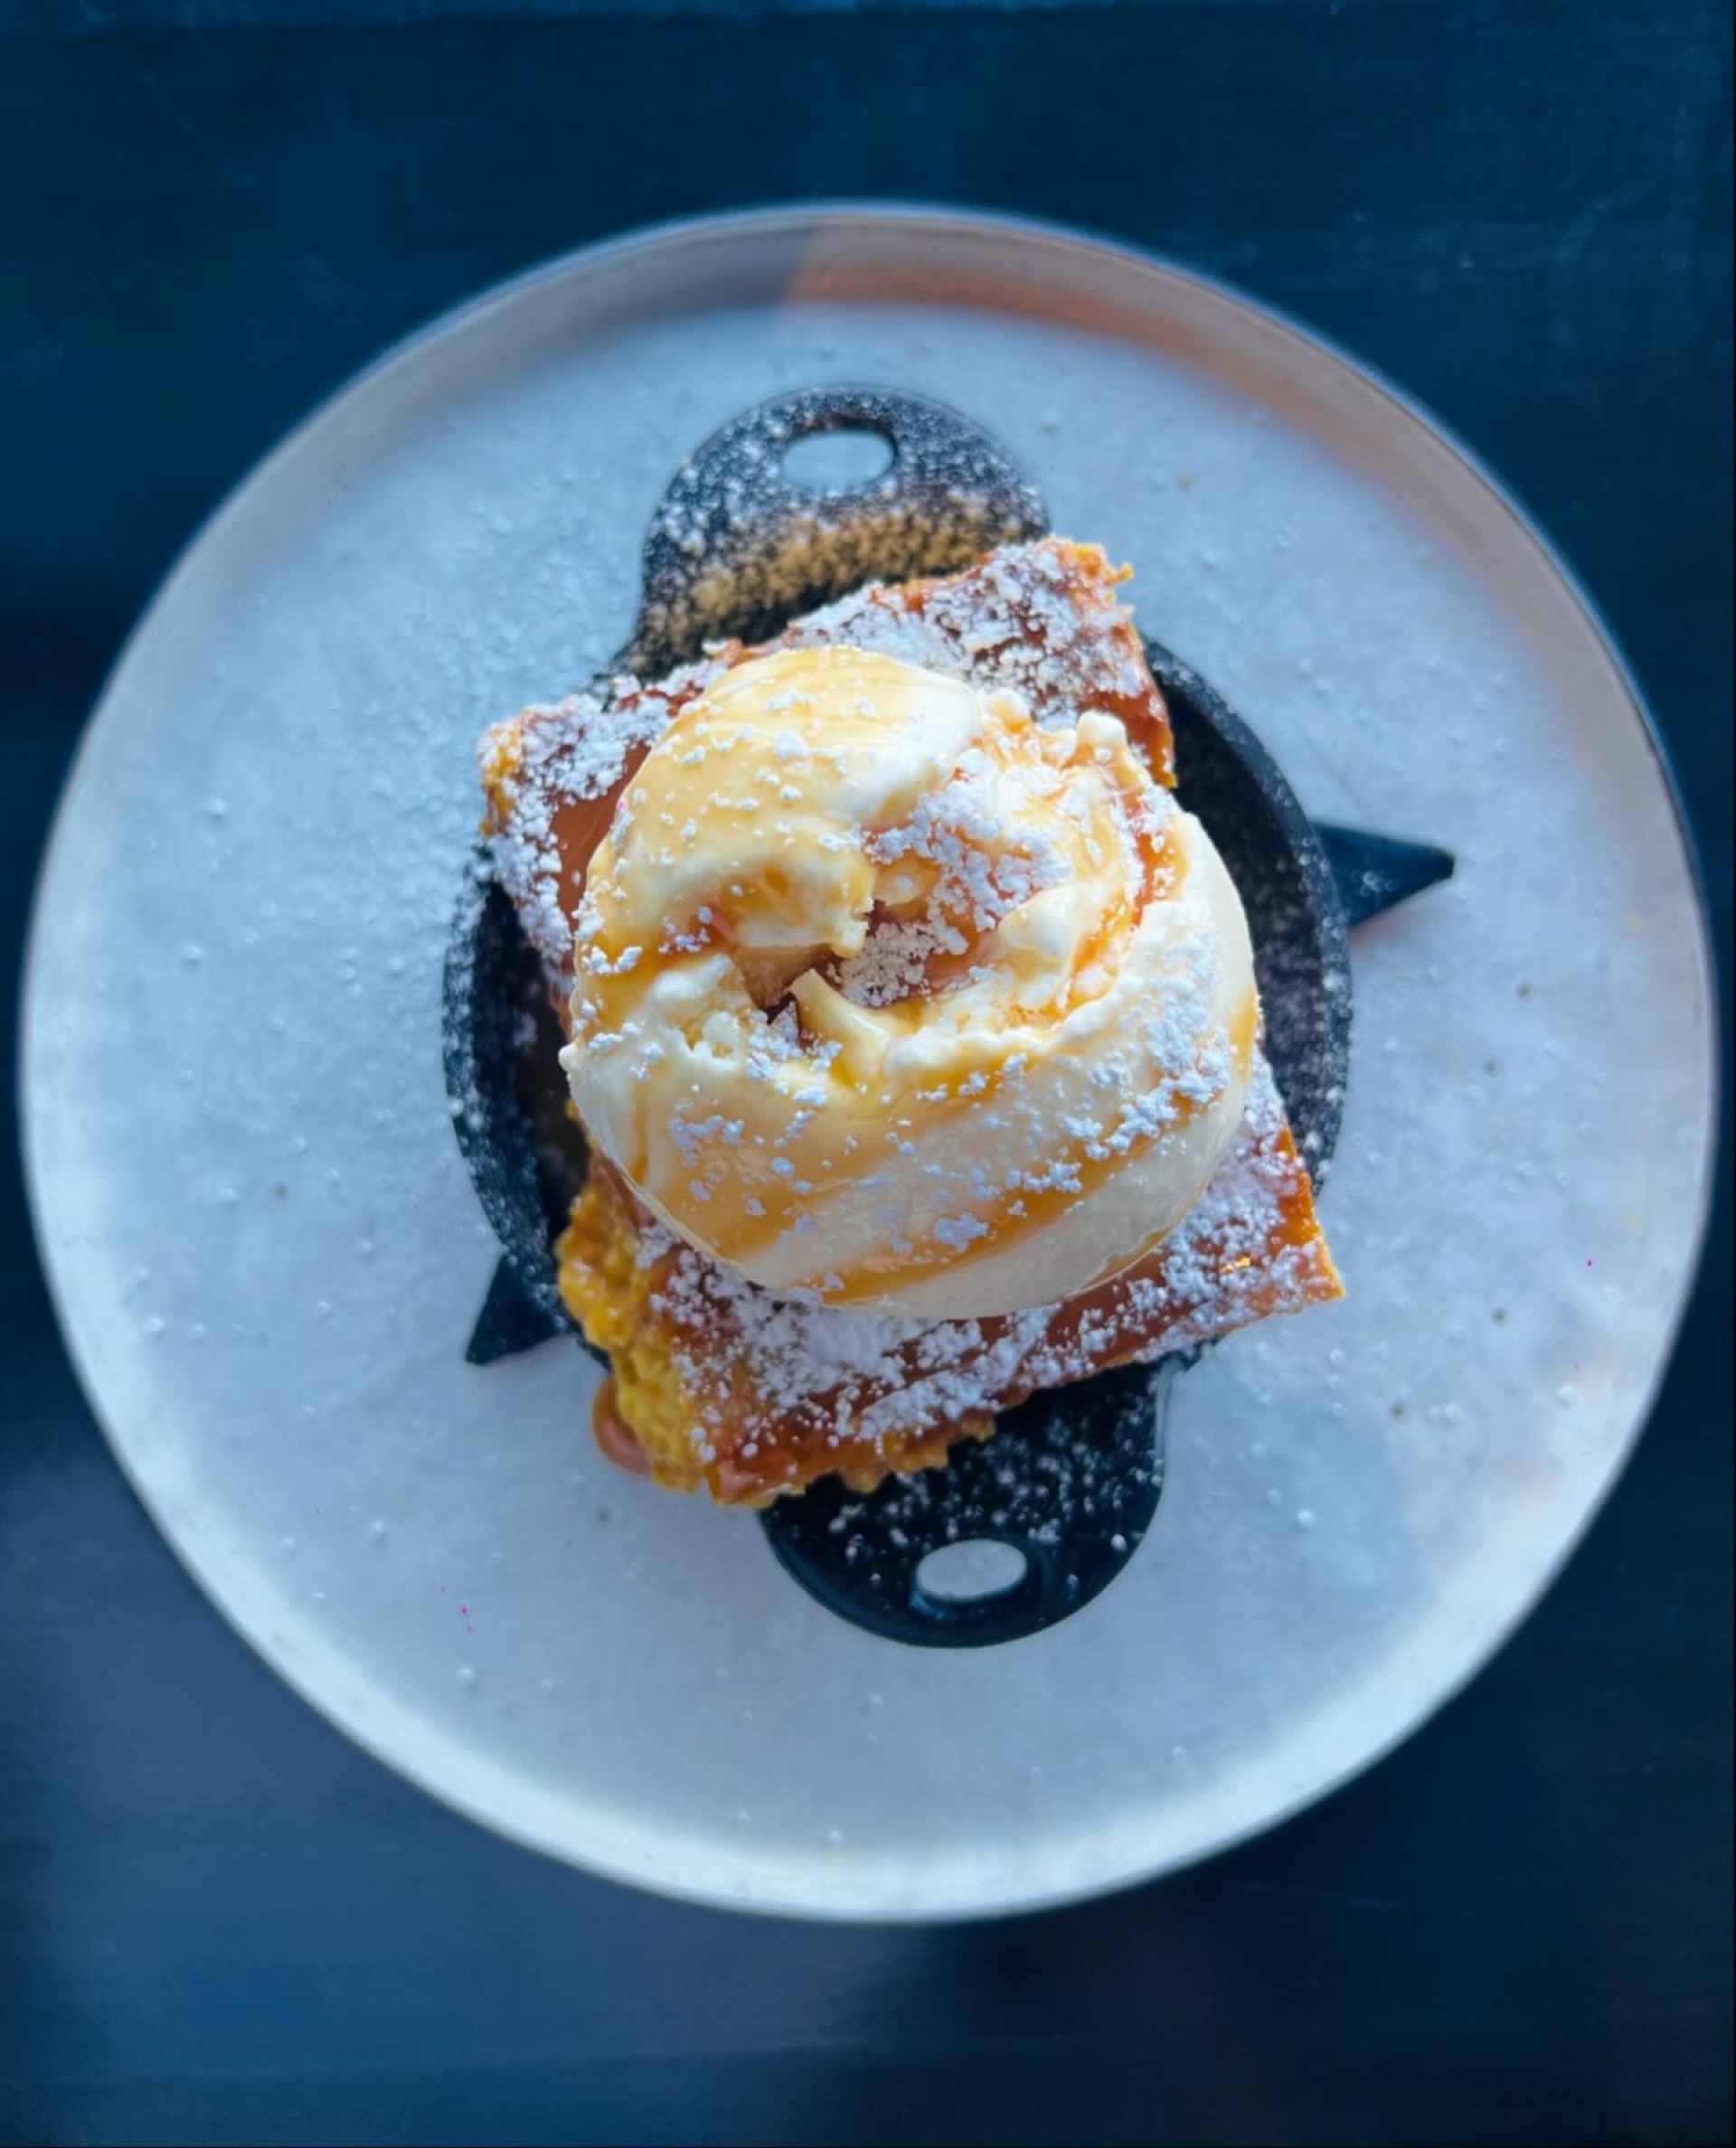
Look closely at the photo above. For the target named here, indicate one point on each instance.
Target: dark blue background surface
(216, 1919)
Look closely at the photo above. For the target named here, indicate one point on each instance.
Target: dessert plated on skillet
(940, 1084)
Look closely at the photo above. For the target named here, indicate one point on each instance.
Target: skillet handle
(737, 547)
(1069, 1485)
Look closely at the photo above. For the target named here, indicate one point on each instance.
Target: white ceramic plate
(267, 1257)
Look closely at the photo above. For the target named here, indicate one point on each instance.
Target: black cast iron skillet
(1071, 1479)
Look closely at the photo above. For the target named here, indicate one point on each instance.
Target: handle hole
(972, 1571)
(841, 461)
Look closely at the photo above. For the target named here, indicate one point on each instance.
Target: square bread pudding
(911, 1026)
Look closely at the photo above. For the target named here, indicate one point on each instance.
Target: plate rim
(817, 217)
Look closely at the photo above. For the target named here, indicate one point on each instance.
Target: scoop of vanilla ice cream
(887, 996)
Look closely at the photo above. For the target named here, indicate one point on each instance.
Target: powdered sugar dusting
(1039, 619)
(551, 757)
(781, 1390)
(778, 1389)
